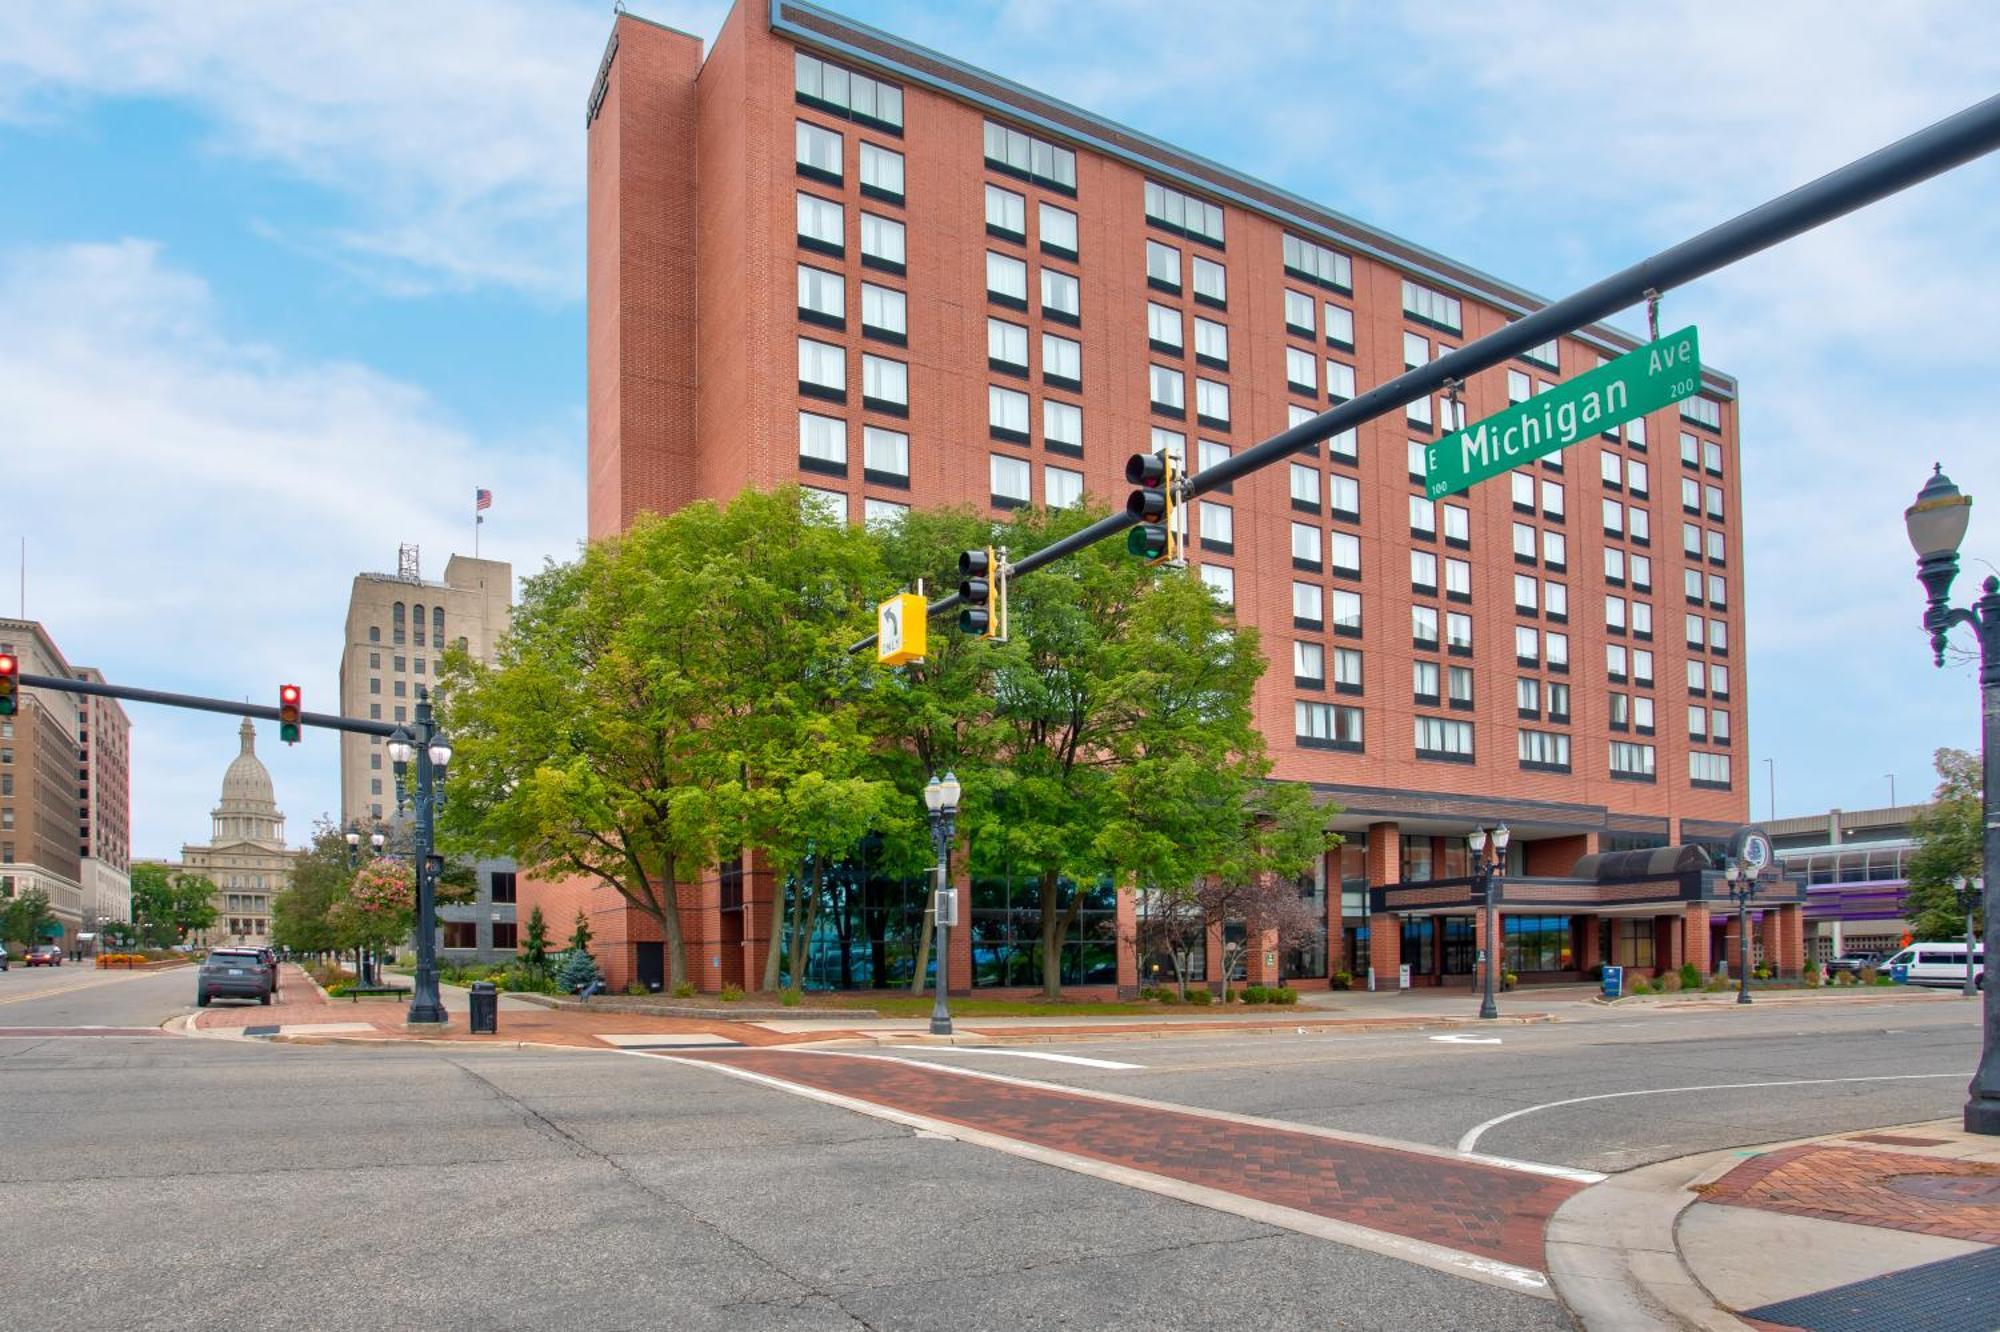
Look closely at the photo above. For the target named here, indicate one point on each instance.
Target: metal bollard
(485, 1008)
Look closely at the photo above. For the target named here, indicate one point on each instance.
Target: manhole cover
(1970, 1190)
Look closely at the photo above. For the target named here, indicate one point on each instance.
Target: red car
(46, 955)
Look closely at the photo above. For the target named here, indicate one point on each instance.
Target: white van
(1939, 964)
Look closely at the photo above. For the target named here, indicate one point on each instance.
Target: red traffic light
(288, 713)
(10, 684)
(288, 694)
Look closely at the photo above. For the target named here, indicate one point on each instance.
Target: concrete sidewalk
(1889, 1229)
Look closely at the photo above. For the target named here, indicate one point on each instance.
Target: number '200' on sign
(1638, 382)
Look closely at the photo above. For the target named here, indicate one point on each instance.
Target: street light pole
(941, 801)
(1936, 525)
(431, 752)
(1965, 899)
(1485, 870)
(1742, 888)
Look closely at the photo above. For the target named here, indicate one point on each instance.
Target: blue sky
(280, 284)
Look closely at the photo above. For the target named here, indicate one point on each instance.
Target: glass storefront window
(1419, 938)
(1537, 943)
(1632, 944)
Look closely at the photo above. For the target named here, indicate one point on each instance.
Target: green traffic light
(1147, 540)
(288, 732)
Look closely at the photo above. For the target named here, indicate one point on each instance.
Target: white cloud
(197, 507)
(451, 133)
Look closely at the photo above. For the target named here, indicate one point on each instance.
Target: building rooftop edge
(1234, 185)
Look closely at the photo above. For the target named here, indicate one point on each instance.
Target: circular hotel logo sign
(1756, 852)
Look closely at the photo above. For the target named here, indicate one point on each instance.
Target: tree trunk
(1055, 928)
(773, 949)
(924, 935)
(804, 911)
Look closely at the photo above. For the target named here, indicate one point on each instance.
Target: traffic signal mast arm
(229, 707)
(1938, 148)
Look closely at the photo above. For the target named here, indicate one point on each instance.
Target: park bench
(359, 992)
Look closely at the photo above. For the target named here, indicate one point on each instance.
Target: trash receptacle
(485, 1008)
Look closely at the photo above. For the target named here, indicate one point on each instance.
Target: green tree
(622, 735)
(26, 913)
(168, 905)
(301, 914)
(536, 951)
(579, 938)
(1948, 837)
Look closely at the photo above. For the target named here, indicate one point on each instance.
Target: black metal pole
(1938, 148)
(943, 825)
(234, 708)
(1487, 1007)
(426, 1005)
(1965, 904)
(1742, 890)
(1982, 1106)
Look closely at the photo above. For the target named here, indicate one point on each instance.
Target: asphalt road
(169, 1182)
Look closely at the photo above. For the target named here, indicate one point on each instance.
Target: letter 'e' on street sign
(899, 629)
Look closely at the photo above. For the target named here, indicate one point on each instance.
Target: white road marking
(1017, 1054)
(1468, 1040)
(1472, 1135)
(1421, 1252)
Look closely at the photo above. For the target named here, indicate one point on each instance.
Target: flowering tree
(380, 906)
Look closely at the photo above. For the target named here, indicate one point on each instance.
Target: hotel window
(1716, 548)
(1642, 573)
(1316, 263)
(1431, 307)
(1058, 230)
(1552, 500)
(1718, 635)
(1709, 770)
(885, 456)
(884, 311)
(1614, 614)
(1024, 155)
(1339, 381)
(1640, 522)
(1425, 683)
(1207, 454)
(1691, 585)
(1006, 280)
(1305, 487)
(1062, 361)
(1305, 547)
(1343, 494)
(1440, 738)
(1169, 390)
(1059, 297)
(822, 296)
(1690, 450)
(1308, 606)
(822, 443)
(1690, 495)
(1635, 477)
(1528, 697)
(1554, 549)
(1006, 346)
(1635, 432)
(1211, 403)
(1524, 543)
(1692, 625)
(827, 85)
(1346, 671)
(1163, 327)
(882, 246)
(1344, 554)
(1555, 649)
(1308, 665)
(1302, 371)
(1007, 413)
(1183, 213)
(1220, 580)
(1417, 459)
(1521, 487)
(1617, 663)
(1642, 667)
(1621, 711)
(1611, 469)
(1347, 613)
(818, 152)
(1423, 517)
(827, 506)
(1702, 411)
(1009, 480)
(1424, 627)
(1718, 680)
(1697, 722)
(821, 225)
(1544, 751)
(1211, 343)
(1339, 326)
(1642, 619)
(1711, 454)
(1526, 598)
(822, 369)
(881, 172)
(1423, 571)
(1718, 726)
(1544, 355)
(885, 384)
(1210, 282)
(1171, 443)
(1718, 591)
(1519, 386)
(1006, 213)
(1713, 497)
(1342, 446)
(1061, 487)
(1458, 632)
(1218, 526)
(1062, 426)
(1614, 518)
(1299, 313)
(1631, 761)
(1163, 266)
(1458, 686)
(1555, 601)
(1326, 725)
(1457, 526)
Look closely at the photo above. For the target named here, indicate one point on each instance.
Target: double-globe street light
(431, 752)
(375, 842)
(1742, 887)
(1936, 524)
(941, 800)
(1486, 876)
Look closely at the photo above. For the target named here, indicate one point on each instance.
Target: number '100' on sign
(1641, 381)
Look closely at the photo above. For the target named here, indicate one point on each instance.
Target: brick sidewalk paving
(1481, 1210)
(1929, 1195)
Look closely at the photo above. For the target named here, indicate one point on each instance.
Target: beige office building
(246, 857)
(398, 626)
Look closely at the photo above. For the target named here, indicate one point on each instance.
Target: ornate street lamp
(1742, 887)
(1485, 872)
(941, 800)
(1936, 524)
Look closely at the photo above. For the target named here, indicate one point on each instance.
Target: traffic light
(10, 684)
(288, 714)
(1155, 539)
(975, 592)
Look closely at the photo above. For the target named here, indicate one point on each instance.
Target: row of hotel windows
(1341, 726)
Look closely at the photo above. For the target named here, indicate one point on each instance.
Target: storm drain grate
(1956, 1295)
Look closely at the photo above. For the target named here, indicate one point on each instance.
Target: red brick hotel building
(822, 255)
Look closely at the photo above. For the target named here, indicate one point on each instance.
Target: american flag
(482, 499)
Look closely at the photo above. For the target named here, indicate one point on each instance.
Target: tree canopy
(168, 905)
(1949, 837)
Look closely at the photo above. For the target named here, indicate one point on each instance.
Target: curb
(1362, 1028)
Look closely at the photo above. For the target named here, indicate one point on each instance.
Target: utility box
(1614, 982)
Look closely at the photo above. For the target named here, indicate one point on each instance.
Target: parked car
(45, 955)
(232, 974)
(263, 957)
(1854, 962)
(1940, 964)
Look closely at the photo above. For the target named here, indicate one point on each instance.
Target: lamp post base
(1489, 1010)
(427, 1026)
(940, 1026)
(1982, 1115)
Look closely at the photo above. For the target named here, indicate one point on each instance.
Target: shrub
(1670, 983)
(791, 998)
(1508, 980)
(685, 990)
(1642, 987)
(1167, 996)
(1256, 994)
(576, 970)
(1810, 975)
(524, 979)
(730, 994)
(1200, 998)
(1883, 980)
(1717, 984)
(1762, 971)
(1868, 976)
(1284, 994)
(1342, 980)
(1690, 976)
(637, 990)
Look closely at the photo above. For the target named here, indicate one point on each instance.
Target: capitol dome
(248, 810)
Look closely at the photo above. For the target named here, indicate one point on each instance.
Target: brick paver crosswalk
(1898, 1190)
(1486, 1211)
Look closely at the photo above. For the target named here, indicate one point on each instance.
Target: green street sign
(1654, 376)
